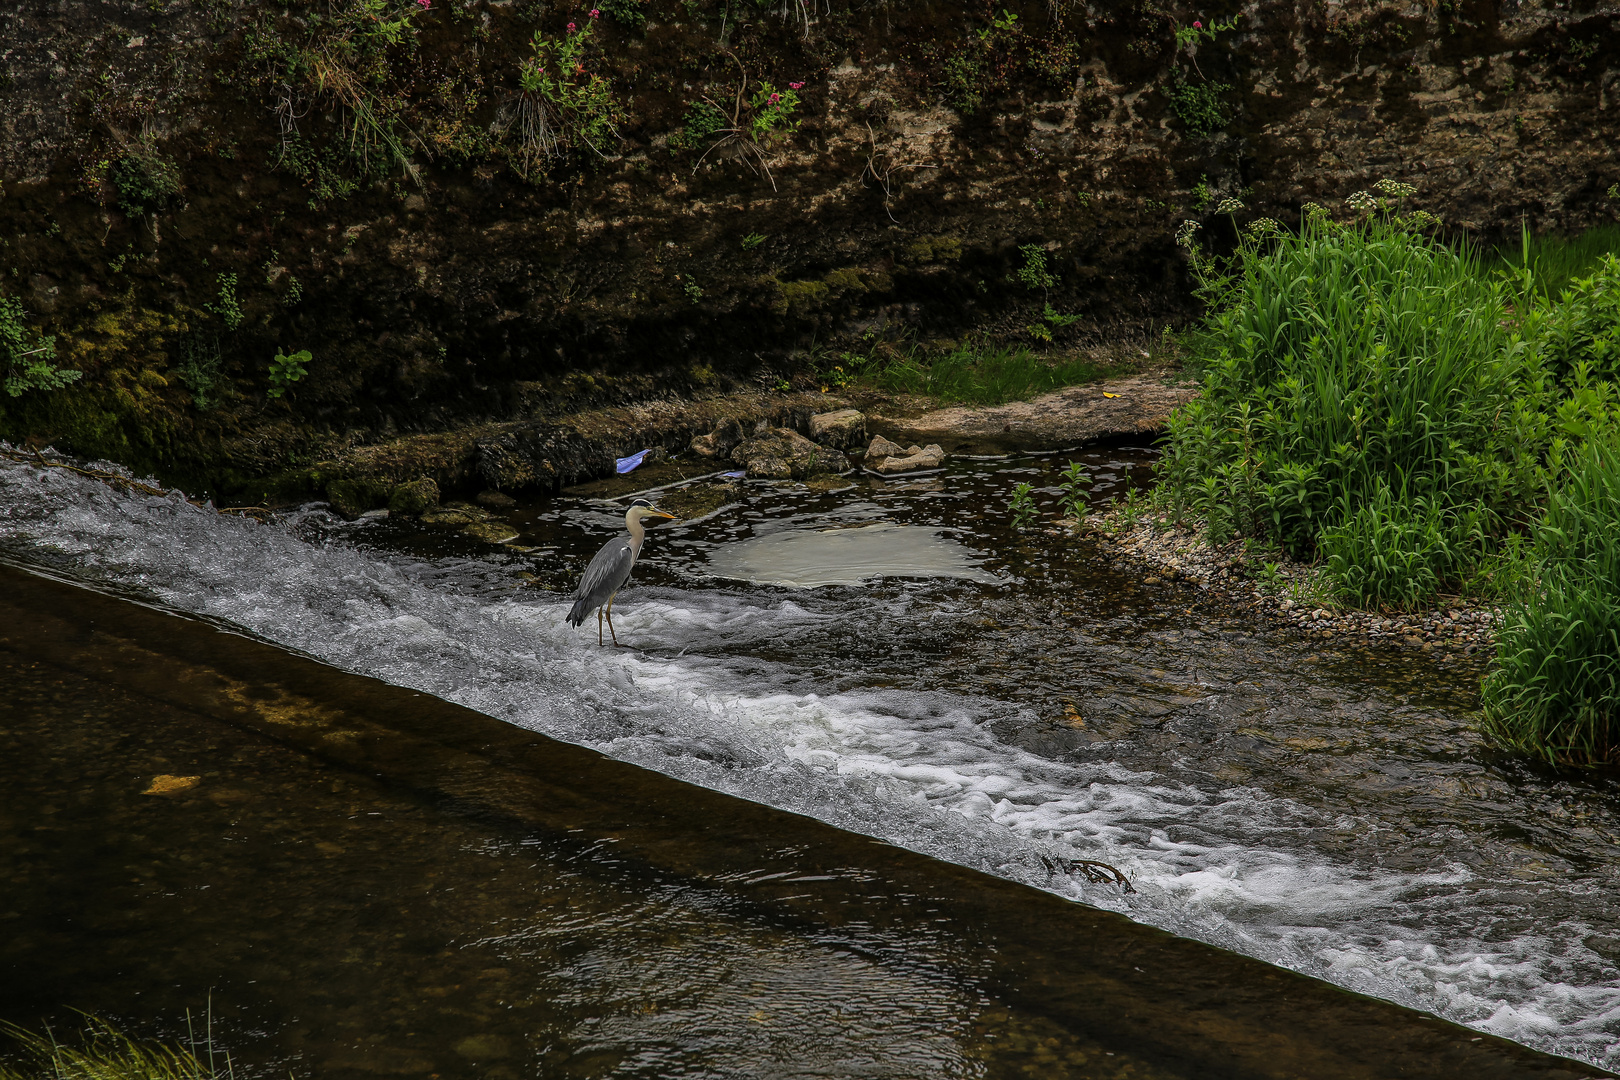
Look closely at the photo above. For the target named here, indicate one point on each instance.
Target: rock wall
(191, 187)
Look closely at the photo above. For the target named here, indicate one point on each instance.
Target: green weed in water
(1022, 505)
(102, 1052)
(1076, 483)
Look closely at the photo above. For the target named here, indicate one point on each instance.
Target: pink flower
(572, 28)
(775, 98)
(595, 13)
(795, 86)
(425, 4)
(1197, 25)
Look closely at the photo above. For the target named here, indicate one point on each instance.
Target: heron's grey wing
(606, 575)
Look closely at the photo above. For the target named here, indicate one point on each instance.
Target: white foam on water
(1234, 866)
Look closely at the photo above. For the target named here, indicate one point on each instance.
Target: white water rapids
(921, 769)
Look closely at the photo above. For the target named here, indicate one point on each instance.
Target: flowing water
(891, 658)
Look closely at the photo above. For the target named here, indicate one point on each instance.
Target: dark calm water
(1326, 811)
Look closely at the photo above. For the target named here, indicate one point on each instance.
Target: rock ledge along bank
(185, 193)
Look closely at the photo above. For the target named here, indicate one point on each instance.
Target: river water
(1325, 810)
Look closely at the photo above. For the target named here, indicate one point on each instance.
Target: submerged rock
(495, 500)
(416, 497)
(931, 456)
(844, 429)
(720, 442)
(784, 454)
(447, 519)
(352, 498)
(491, 532)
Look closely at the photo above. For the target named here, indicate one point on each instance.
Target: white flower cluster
(1395, 189)
(1265, 227)
(1310, 211)
(1362, 202)
(1419, 220)
(1228, 206)
(1184, 234)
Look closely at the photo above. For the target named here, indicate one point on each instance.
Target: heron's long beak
(662, 514)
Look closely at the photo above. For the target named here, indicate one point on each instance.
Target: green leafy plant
(1076, 483)
(145, 180)
(202, 369)
(1052, 320)
(625, 12)
(226, 305)
(1198, 104)
(773, 110)
(563, 108)
(752, 241)
(702, 122)
(1022, 505)
(286, 370)
(27, 356)
(1033, 274)
(754, 122)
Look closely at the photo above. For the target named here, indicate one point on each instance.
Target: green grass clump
(102, 1052)
(1555, 261)
(1366, 400)
(1555, 691)
(976, 372)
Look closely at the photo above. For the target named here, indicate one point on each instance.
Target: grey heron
(611, 569)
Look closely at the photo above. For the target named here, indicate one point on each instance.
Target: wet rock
(540, 455)
(881, 448)
(414, 498)
(784, 454)
(841, 430)
(484, 1047)
(931, 456)
(698, 499)
(495, 500)
(491, 532)
(351, 498)
(165, 784)
(720, 442)
(447, 519)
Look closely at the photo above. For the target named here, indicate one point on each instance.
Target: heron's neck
(637, 534)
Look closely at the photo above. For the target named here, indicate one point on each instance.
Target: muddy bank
(1273, 588)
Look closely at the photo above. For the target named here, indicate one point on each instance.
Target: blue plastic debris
(735, 475)
(631, 463)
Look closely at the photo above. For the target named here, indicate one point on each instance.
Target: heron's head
(641, 509)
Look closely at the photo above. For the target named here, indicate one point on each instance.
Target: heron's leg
(610, 618)
(599, 626)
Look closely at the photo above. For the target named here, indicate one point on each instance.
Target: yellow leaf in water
(169, 785)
